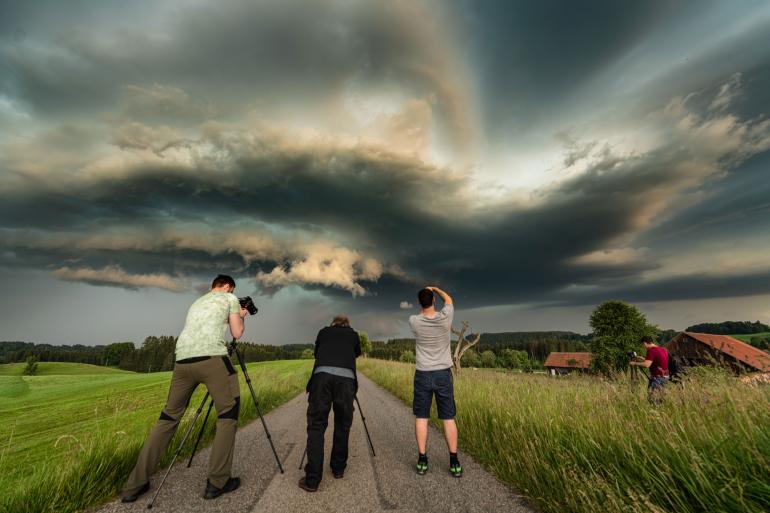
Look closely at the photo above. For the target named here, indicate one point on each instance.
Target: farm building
(563, 363)
(704, 349)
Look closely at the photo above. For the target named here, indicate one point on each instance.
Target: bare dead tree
(462, 344)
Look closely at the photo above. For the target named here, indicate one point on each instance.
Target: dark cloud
(695, 286)
(355, 217)
(535, 53)
(218, 60)
(733, 208)
(327, 146)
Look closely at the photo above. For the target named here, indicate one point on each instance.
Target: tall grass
(68, 442)
(581, 444)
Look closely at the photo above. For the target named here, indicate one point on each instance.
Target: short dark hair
(341, 320)
(425, 298)
(222, 279)
(647, 340)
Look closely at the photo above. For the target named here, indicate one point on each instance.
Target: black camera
(248, 304)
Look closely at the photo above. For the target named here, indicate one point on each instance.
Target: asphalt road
(386, 482)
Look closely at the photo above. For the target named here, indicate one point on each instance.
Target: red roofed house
(563, 363)
(704, 349)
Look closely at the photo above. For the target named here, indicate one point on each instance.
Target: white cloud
(405, 305)
(115, 276)
(326, 265)
(612, 257)
(727, 93)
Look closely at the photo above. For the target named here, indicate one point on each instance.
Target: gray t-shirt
(432, 335)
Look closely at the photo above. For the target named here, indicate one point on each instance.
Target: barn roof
(572, 360)
(741, 351)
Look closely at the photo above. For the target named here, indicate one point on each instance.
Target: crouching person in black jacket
(333, 384)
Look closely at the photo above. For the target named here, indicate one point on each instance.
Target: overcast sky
(532, 158)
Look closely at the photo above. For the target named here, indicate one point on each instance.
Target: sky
(334, 156)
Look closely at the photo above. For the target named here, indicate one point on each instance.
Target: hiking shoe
(212, 492)
(131, 498)
(303, 484)
(422, 467)
(456, 469)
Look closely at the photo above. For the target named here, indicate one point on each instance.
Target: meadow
(747, 338)
(70, 435)
(578, 444)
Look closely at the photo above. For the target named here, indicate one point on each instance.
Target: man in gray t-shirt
(432, 333)
(433, 376)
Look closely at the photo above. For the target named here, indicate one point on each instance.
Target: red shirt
(659, 358)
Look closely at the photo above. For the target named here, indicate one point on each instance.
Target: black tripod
(363, 419)
(636, 370)
(231, 349)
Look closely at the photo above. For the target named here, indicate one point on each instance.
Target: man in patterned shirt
(201, 357)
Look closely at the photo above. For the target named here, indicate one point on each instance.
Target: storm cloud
(357, 151)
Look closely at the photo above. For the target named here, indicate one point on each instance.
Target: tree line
(730, 328)
(156, 353)
(525, 350)
(108, 355)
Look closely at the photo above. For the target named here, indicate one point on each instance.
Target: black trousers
(328, 391)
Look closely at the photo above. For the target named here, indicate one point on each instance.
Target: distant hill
(530, 336)
(107, 355)
(154, 355)
(730, 328)
(537, 344)
(758, 340)
(60, 369)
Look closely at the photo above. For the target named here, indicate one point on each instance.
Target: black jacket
(337, 346)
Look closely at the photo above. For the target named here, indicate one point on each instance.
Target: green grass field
(59, 369)
(747, 338)
(69, 437)
(580, 444)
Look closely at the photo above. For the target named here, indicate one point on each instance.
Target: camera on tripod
(248, 304)
(633, 356)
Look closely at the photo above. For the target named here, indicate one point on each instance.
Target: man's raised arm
(446, 298)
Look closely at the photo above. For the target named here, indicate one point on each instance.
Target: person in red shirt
(657, 361)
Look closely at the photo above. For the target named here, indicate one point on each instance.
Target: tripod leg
(200, 433)
(179, 449)
(363, 419)
(302, 461)
(256, 405)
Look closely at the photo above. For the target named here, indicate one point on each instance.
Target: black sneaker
(338, 475)
(212, 492)
(422, 466)
(303, 484)
(456, 469)
(131, 498)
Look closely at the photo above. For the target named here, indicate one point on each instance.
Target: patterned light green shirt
(206, 324)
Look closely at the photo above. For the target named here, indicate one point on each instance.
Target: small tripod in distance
(232, 348)
(635, 370)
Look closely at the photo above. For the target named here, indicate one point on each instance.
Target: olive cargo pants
(219, 376)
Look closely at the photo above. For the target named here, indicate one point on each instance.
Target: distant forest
(730, 328)
(156, 353)
(537, 344)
